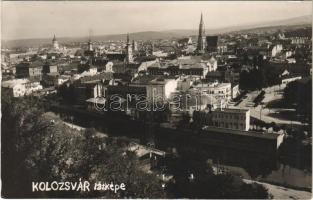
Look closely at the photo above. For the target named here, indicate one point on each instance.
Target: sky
(39, 19)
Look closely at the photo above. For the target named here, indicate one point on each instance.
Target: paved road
(280, 192)
(271, 93)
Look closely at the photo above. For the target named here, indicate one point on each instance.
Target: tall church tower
(89, 42)
(129, 51)
(90, 45)
(55, 43)
(134, 46)
(201, 37)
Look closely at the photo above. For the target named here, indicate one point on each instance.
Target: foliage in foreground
(34, 149)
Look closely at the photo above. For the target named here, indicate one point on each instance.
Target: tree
(205, 184)
(37, 150)
(299, 95)
(22, 130)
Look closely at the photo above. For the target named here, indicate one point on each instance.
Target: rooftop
(12, 83)
(232, 110)
(270, 136)
(158, 79)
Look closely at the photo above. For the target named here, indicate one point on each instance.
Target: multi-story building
(47, 68)
(220, 91)
(275, 49)
(157, 88)
(31, 70)
(211, 42)
(238, 119)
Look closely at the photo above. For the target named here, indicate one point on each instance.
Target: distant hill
(297, 22)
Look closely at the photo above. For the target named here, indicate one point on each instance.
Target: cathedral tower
(55, 43)
(201, 37)
(89, 41)
(129, 51)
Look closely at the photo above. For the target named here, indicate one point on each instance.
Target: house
(20, 87)
(54, 79)
(97, 78)
(182, 42)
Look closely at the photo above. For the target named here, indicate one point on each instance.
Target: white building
(183, 84)
(91, 72)
(158, 89)
(144, 65)
(21, 87)
(276, 49)
(218, 90)
(212, 64)
(109, 67)
(159, 54)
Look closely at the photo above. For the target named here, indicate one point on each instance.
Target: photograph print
(156, 99)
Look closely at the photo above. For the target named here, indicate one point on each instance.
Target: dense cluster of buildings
(198, 75)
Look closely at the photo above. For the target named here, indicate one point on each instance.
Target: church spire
(55, 43)
(201, 36)
(127, 40)
(129, 52)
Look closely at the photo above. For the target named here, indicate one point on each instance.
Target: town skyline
(19, 23)
(163, 100)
